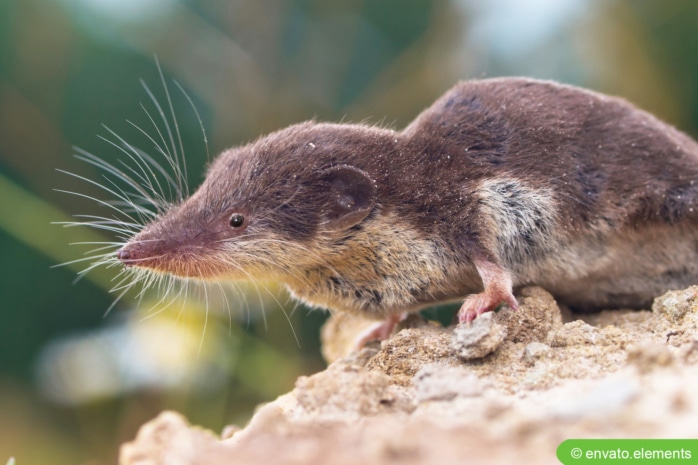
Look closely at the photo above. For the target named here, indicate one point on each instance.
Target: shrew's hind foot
(380, 330)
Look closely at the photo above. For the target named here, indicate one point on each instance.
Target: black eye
(237, 220)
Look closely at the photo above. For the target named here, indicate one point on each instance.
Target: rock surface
(507, 389)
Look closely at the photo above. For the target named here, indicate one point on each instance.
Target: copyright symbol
(576, 453)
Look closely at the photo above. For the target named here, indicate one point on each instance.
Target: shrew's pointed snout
(125, 256)
(132, 254)
(165, 256)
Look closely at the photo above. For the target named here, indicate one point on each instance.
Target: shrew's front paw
(498, 290)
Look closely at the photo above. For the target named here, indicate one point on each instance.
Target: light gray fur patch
(521, 220)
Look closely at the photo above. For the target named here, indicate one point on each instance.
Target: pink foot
(380, 330)
(498, 289)
(477, 304)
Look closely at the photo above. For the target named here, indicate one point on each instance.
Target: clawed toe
(498, 289)
(477, 304)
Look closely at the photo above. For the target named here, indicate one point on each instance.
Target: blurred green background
(74, 384)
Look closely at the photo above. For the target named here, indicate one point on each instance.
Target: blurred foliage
(69, 66)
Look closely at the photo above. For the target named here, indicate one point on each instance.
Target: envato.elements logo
(627, 451)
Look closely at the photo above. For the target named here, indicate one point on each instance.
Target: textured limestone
(532, 382)
(478, 339)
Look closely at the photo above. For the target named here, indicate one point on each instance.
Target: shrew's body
(500, 183)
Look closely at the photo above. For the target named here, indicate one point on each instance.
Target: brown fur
(550, 184)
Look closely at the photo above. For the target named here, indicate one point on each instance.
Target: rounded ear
(352, 194)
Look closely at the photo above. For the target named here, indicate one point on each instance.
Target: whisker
(113, 304)
(166, 295)
(136, 188)
(181, 158)
(143, 175)
(91, 267)
(174, 156)
(258, 284)
(141, 183)
(101, 202)
(78, 260)
(118, 174)
(106, 220)
(165, 152)
(110, 244)
(171, 182)
(227, 306)
(198, 117)
(92, 224)
(203, 332)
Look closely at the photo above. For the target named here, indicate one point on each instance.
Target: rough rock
(537, 316)
(415, 399)
(438, 382)
(674, 305)
(477, 339)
